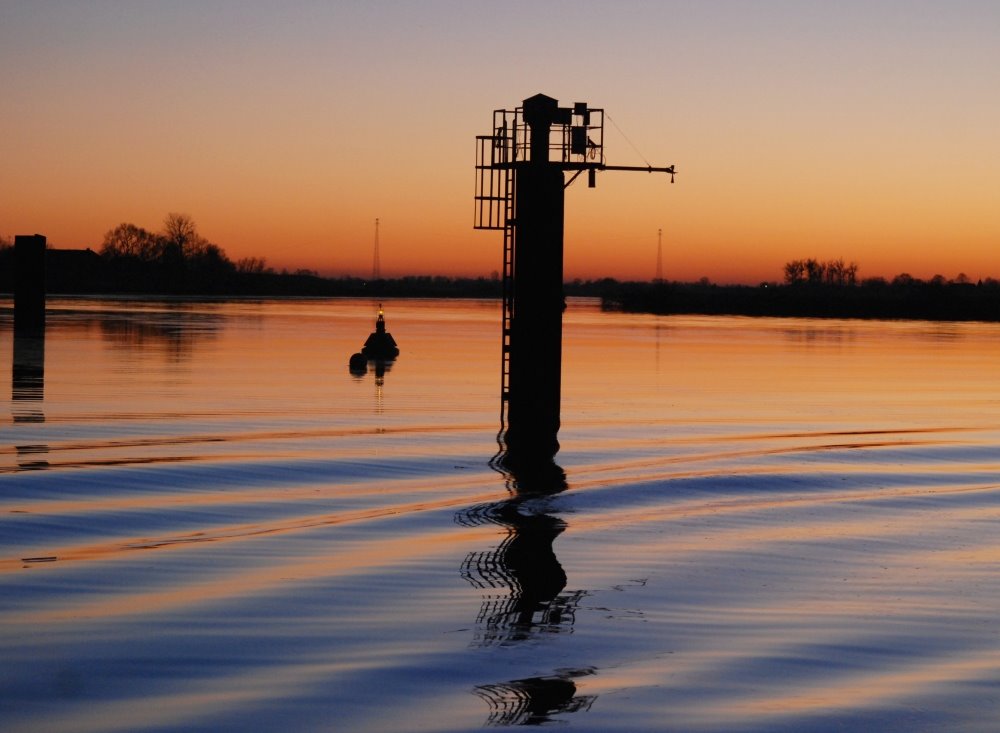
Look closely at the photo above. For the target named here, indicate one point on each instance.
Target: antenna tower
(659, 256)
(376, 265)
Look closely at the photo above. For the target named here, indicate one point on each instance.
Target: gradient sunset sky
(863, 130)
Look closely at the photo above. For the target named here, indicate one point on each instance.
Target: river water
(208, 523)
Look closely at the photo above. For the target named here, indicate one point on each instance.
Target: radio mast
(659, 257)
(376, 265)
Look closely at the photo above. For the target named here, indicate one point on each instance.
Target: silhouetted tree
(833, 272)
(129, 240)
(251, 266)
(814, 271)
(794, 271)
(180, 231)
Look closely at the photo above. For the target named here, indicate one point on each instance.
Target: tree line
(845, 274)
(177, 258)
(818, 289)
(831, 272)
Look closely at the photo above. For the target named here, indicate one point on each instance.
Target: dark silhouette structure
(520, 188)
(380, 343)
(29, 283)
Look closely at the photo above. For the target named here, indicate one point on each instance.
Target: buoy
(358, 363)
(380, 343)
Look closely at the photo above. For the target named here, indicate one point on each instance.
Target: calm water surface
(207, 523)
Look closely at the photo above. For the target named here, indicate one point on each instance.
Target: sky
(864, 130)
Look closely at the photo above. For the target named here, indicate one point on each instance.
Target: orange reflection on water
(361, 558)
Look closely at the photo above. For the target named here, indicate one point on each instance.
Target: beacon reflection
(28, 391)
(535, 700)
(524, 590)
(524, 582)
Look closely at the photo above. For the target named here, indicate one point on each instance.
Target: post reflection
(524, 588)
(535, 700)
(523, 569)
(28, 390)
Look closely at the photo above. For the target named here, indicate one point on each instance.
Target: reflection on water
(523, 568)
(28, 392)
(750, 528)
(173, 333)
(28, 376)
(534, 700)
(380, 367)
(525, 589)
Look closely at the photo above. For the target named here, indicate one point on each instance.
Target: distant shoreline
(916, 301)
(84, 273)
(907, 300)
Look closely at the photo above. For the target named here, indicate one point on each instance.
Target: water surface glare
(208, 523)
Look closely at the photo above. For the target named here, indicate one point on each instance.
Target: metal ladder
(494, 200)
(508, 291)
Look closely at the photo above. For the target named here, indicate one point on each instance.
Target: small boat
(380, 343)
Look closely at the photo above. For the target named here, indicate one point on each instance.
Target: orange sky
(866, 131)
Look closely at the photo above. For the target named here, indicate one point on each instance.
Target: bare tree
(180, 231)
(251, 265)
(794, 271)
(129, 240)
(834, 272)
(814, 270)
